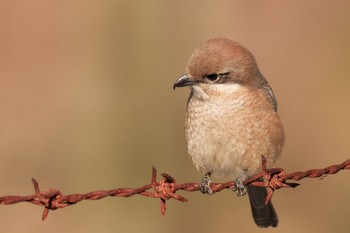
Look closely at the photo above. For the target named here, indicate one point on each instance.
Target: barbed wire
(165, 189)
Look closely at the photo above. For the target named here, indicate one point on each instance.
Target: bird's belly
(212, 152)
(229, 142)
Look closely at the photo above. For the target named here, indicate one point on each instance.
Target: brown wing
(269, 92)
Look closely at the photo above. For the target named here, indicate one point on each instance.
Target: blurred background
(87, 103)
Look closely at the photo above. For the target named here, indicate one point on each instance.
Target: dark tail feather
(264, 215)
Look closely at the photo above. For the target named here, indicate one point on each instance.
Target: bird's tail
(264, 215)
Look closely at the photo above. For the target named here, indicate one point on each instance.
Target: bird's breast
(228, 136)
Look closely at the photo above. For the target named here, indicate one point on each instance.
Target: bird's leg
(205, 184)
(239, 188)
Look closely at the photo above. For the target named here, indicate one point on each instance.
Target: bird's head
(220, 63)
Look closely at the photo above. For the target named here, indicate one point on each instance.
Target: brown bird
(231, 120)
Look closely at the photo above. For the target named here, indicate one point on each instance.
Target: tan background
(87, 103)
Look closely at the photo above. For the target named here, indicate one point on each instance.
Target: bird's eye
(212, 77)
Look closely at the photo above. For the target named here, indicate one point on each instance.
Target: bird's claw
(239, 187)
(205, 184)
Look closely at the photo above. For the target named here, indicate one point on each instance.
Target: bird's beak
(184, 81)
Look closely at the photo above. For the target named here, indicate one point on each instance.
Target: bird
(231, 120)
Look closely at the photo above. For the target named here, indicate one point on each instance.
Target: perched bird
(231, 120)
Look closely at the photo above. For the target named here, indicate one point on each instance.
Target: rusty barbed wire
(165, 189)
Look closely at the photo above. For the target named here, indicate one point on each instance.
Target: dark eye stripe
(216, 78)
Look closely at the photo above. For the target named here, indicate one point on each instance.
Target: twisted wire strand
(166, 188)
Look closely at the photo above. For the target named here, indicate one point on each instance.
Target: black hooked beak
(184, 81)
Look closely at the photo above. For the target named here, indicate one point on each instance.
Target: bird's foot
(205, 184)
(239, 188)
